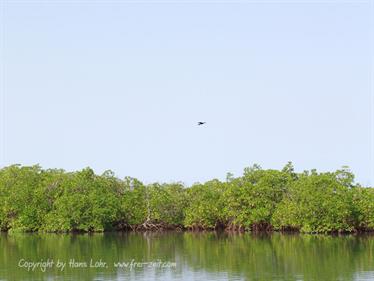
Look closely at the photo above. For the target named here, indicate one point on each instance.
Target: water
(187, 256)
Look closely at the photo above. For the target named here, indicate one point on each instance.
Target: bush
(86, 203)
(33, 199)
(252, 199)
(315, 203)
(363, 204)
(205, 206)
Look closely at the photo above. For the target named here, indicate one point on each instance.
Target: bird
(200, 123)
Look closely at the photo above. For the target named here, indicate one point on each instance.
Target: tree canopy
(52, 200)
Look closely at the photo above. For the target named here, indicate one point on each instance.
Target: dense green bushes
(315, 203)
(33, 199)
(252, 199)
(363, 207)
(205, 205)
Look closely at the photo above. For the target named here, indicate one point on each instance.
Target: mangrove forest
(33, 199)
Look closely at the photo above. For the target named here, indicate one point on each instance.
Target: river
(185, 256)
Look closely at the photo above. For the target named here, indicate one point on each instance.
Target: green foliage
(205, 205)
(363, 206)
(21, 193)
(167, 203)
(159, 204)
(86, 203)
(251, 200)
(33, 199)
(315, 203)
(133, 202)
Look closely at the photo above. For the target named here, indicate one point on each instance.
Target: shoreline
(197, 231)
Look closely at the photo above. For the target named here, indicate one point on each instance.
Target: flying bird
(200, 123)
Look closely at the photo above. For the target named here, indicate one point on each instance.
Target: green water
(186, 256)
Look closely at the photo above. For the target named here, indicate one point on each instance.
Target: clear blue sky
(121, 86)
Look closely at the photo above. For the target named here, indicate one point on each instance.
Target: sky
(121, 85)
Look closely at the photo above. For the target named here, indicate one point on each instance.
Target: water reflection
(191, 256)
